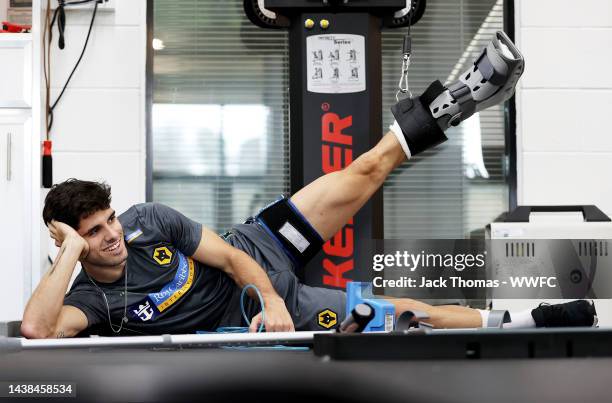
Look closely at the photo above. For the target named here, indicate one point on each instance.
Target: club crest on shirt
(327, 318)
(162, 255)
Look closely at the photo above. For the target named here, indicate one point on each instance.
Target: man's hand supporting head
(45, 315)
(66, 206)
(61, 232)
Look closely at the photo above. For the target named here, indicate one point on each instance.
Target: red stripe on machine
(337, 153)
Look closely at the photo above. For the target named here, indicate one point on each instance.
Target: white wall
(564, 105)
(3, 9)
(564, 139)
(99, 125)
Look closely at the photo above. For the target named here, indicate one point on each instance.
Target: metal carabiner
(403, 86)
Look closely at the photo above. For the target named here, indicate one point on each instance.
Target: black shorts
(312, 308)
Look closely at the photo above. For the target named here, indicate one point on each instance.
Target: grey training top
(168, 292)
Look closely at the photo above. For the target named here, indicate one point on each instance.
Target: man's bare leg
(331, 200)
(441, 317)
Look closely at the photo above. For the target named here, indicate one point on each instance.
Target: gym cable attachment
(403, 86)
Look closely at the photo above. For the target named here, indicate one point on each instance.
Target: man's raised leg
(331, 200)
(420, 122)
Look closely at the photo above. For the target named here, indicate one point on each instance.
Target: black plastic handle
(590, 213)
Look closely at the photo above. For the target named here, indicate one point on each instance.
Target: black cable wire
(61, 26)
(93, 17)
(61, 5)
(74, 3)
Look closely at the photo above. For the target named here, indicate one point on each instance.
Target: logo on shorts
(327, 318)
(162, 255)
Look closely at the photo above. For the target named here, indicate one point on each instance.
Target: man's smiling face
(104, 234)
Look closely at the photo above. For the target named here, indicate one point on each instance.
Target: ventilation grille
(593, 248)
(520, 249)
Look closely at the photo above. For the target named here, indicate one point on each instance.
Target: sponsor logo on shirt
(175, 289)
(149, 308)
(144, 312)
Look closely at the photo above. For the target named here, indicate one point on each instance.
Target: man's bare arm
(215, 252)
(45, 315)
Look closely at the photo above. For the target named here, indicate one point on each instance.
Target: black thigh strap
(298, 238)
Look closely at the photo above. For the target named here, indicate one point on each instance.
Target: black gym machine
(336, 103)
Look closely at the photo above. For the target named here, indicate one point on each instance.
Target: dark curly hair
(73, 200)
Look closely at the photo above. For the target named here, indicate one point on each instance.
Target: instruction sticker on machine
(335, 63)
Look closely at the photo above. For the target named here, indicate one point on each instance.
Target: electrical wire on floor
(245, 329)
(241, 329)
